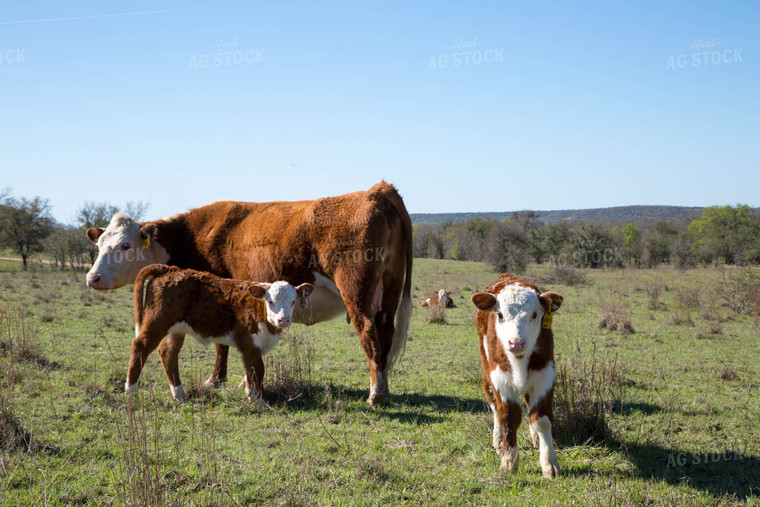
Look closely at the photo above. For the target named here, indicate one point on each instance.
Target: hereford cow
(356, 249)
(246, 315)
(514, 323)
(442, 298)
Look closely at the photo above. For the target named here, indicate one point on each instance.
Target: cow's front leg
(510, 415)
(168, 350)
(219, 375)
(541, 423)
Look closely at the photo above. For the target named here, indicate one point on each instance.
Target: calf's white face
(280, 298)
(519, 314)
(124, 248)
(443, 298)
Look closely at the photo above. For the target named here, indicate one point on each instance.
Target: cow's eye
(501, 317)
(125, 246)
(534, 315)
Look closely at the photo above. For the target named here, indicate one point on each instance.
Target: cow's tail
(146, 274)
(405, 308)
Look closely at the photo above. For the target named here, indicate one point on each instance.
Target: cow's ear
(551, 300)
(257, 290)
(149, 232)
(304, 290)
(484, 300)
(93, 233)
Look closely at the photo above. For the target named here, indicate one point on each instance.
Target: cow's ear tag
(146, 243)
(548, 317)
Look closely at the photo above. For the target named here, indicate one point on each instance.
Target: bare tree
(25, 225)
(136, 209)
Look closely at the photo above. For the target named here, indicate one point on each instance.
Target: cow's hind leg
(219, 374)
(168, 350)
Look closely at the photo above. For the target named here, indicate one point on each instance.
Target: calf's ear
(257, 291)
(93, 233)
(551, 300)
(484, 300)
(304, 290)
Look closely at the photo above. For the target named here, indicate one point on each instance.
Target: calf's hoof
(551, 470)
(178, 393)
(215, 383)
(129, 389)
(377, 398)
(510, 460)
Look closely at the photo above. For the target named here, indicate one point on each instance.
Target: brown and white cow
(517, 354)
(246, 315)
(356, 249)
(440, 299)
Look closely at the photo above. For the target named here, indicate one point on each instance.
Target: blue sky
(465, 106)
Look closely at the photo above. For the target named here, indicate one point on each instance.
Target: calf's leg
(541, 418)
(254, 369)
(168, 350)
(146, 342)
(510, 415)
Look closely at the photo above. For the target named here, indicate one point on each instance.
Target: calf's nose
(283, 321)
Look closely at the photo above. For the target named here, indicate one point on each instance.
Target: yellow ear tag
(146, 243)
(548, 320)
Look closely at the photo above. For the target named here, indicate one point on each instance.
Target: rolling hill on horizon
(612, 214)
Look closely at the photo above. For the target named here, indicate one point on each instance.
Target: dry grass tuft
(653, 297)
(568, 275)
(615, 316)
(436, 315)
(17, 343)
(583, 398)
(288, 371)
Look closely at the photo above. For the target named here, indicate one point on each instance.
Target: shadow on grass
(717, 471)
(407, 407)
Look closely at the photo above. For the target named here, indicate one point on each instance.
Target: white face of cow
(122, 252)
(281, 298)
(443, 298)
(519, 314)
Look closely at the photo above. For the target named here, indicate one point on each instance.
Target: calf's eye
(501, 317)
(125, 246)
(534, 315)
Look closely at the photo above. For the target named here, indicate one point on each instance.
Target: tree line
(721, 234)
(27, 227)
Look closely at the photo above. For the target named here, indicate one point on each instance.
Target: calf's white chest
(517, 381)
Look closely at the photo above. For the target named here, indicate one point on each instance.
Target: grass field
(680, 397)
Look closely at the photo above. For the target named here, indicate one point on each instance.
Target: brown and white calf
(517, 354)
(246, 315)
(442, 298)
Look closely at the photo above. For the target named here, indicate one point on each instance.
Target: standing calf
(514, 323)
(246, 315)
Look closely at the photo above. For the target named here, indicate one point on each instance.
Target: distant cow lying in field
(514, 323)
(442, 298)
(246, 315)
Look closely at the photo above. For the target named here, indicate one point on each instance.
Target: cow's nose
(93, 280)
(283, 321)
